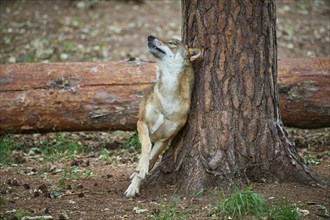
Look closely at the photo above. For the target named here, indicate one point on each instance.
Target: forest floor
(83, 175)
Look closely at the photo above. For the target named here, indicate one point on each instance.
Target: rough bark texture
(88, 96)
(304, 92)
(72, 96)
(234, 133)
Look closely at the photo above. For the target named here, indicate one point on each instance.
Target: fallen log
(42, 97)
(304, 88)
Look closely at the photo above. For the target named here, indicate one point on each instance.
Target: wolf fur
(164, 110)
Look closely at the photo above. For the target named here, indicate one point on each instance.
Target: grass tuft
(19, 214)
(60, 148)
(284, 211)
(133, 144)
(243, 203)
(7, 147)
(2, 201)
(238, 204)
(104, 155)
(169, 211)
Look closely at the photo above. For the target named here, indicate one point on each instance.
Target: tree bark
(105, 96)
(72, 97)
(234, 134)
(304, 92)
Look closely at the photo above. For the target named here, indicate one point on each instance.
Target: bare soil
(88, 187)
(84, 186)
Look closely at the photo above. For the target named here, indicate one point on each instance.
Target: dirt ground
(87, 185)
(90, 184)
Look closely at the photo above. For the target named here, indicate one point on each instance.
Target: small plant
(104, 155)
(323, 210)
(133, 144)
(169, 212)
(73, 173)
(200, 192)
(239, 204)
(60, 148)
(5, 148)
(309, 160)
(69, 174)
(19, 214)
(2, 201)
(61, 182)
(87, 173)
(284, 211)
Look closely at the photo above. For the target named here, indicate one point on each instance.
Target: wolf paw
(132, 190)
(143, 170)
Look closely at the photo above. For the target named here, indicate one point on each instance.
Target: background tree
(234, 132)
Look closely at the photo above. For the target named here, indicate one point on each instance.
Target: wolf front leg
(143, 165)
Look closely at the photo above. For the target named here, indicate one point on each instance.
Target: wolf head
(172, 50)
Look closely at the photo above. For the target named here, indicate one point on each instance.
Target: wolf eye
(172, 43)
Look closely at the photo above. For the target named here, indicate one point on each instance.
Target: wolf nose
(150, 37)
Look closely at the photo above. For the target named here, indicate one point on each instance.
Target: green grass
(87, 174)
(284, 211)
(239, 204)
(104, 155)
(309, 160)
(56, 149)
(169, 211)
(7, 146)
(246, 203)
(60, 148)
(61, 183)
(2, 201)
(133, 144)
(19, 214)
(73, 173)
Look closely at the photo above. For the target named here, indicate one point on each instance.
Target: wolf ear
(194, 53)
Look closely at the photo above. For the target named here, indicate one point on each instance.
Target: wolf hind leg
(157, 149)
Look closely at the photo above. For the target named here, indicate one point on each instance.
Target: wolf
(164, 110)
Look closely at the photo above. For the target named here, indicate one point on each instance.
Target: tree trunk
(234, 133)
(42, 97)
